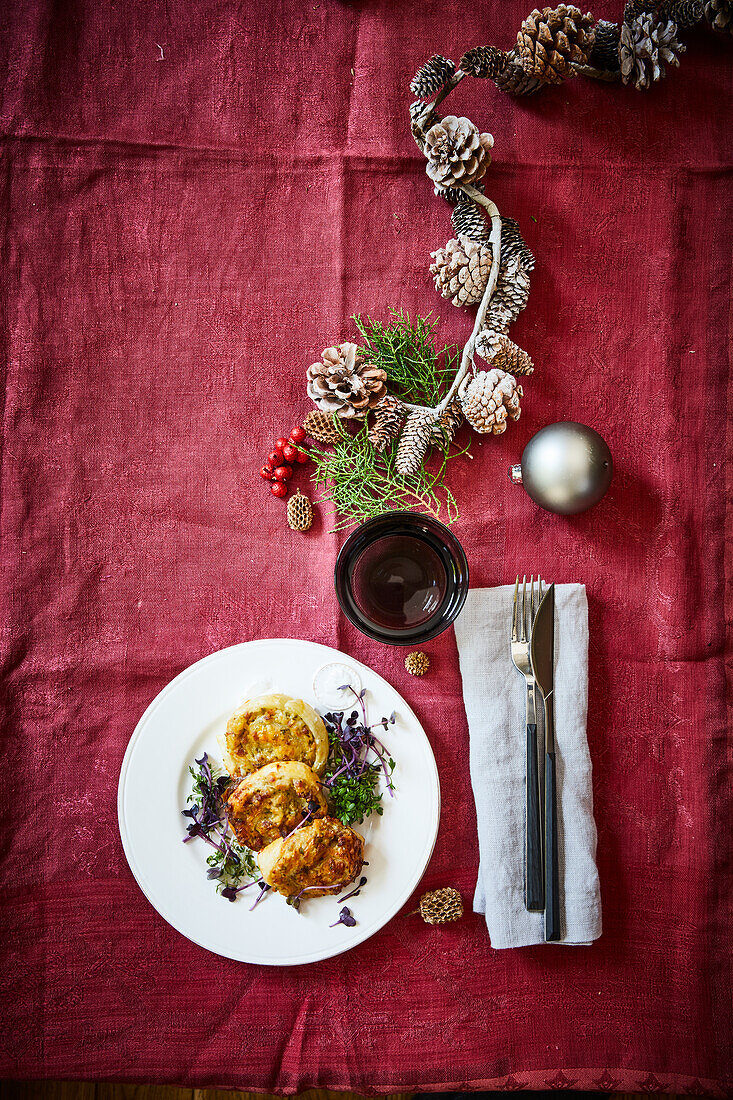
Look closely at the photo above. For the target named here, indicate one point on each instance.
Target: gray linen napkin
(494, 695)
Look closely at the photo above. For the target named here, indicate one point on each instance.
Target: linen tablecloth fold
(494, 694)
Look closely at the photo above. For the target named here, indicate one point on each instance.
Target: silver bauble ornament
(565, 468)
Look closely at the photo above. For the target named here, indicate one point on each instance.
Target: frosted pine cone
(489, 399)
(552, 40)
(388, 418)
(461, 270)
(498, 350)
(719, 14)
(498, 318)
(344, 384)
(416, 437)
(604, 55)
(514, 80)
(483, 61)
(512, 288)
(646, 44)
(448, 423)
(432, 76)
(457, 153)
(512, 244)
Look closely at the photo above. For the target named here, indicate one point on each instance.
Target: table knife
(543, 663)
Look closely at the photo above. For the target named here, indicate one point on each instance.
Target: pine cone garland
(342, 383)
(417, 663)
(432, 76)
(457, 152)
(483, 61)
(646, 44)
(498, 318)
(468, 221)
(719, 14)
(441, 906)
(461, 270)
(388, 418)
(604, 54)
(502, 353)
(299, 512)
(489, 399)
(552, 40)
(685, 13)
(512, 245)
(514, 80)
(322, 426)
(415, 439)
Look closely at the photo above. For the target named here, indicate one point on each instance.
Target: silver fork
(524, 609)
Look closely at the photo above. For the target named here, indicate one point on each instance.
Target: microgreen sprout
(356, 891)
(357, 760)
(345, 917)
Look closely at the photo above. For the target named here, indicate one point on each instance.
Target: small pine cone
(514, 80)
(457, 153)
(344, 384)
(469, 221)
(417, 663)
(322, 426)
(461, 271)
(388, 418)
(719, 14)
(646, 44)
(498, 350)
(483, 61)
(415, 438)
(604, 55)
(299, 512)
(551, 41)
(432, 76)
(441, 906)
(685, 13)
(489, 399)
(512, 245)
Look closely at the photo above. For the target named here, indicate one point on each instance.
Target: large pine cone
(645, 45)
(719, 13)
(489, 400)
(457, 153)
(604, 54)
(344, 384)
(514, 80)
(461, 270)
(483, 61)
(432, 76)
(550, 41)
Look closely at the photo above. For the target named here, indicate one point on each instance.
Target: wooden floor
(73, 1090)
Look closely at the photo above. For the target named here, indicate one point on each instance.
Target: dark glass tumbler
(401, 578)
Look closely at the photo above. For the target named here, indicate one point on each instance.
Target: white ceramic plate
(181, 723)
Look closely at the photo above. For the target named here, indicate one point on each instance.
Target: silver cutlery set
(533, 655)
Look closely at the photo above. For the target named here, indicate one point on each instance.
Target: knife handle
(534, 892)
(552, 871)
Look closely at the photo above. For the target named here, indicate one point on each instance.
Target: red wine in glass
(398, 581)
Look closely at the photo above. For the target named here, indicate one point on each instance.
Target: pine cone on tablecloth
(417, 663)
(685, 13)
(501, 352)
(461, 270)
(299, 512)
(388, 417)
(468, 221)
(441, 906)
(489, 399)
(432, 76)
(483, 61)
(551, 40)
(422, 117)
(719, 14)
(512, 287)
(448, 423)
(634, 8)
(514, 80)
(416, 437)
(456, 152)
(645, 45)
(498, 317)
(604, 55)
(344, 384)
(512, 244)
(322, 426)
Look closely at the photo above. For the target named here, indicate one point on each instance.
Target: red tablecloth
(182, 234)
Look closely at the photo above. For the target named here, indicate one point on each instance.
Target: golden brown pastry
(272, 728)
(325, 855)
(268, 804)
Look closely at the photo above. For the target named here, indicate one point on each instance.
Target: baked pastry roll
(321, 858)
(271, 728)
(268, 804)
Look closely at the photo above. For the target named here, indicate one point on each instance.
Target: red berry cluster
(278, 469)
